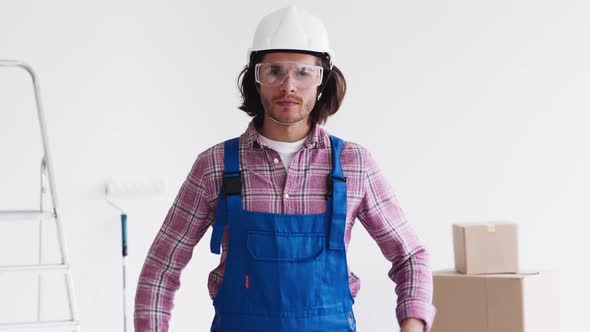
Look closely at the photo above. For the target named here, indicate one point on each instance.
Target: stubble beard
(273, 112)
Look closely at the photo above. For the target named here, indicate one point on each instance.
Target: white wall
(475, 110)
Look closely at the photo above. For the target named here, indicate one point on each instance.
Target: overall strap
(230, 192)
(336, 197)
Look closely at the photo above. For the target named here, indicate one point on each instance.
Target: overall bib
(284, 272)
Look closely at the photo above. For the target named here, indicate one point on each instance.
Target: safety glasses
(275, 73)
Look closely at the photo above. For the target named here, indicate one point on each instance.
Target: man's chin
(285, 120)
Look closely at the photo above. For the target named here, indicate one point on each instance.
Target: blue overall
(284, 272)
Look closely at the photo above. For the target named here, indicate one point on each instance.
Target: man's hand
(412, 325)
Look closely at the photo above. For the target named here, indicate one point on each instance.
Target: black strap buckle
(232, 185)
(330, 184)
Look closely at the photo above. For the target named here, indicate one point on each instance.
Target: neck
(285, 132)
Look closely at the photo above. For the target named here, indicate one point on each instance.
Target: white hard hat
(291, 28)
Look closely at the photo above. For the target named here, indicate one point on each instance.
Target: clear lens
(275, 73)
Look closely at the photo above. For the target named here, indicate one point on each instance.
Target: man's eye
(275, 71)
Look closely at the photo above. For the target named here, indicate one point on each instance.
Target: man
(282, 199)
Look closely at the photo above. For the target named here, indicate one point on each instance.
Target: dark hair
(333, 85)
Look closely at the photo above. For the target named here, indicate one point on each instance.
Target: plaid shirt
(268, 187)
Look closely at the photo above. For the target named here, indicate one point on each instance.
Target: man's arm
(185, 224)
(381, 215)
(412, 325)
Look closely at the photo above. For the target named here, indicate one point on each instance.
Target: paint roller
(135, 188)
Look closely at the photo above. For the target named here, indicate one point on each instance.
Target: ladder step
(32, 325)
(41, 267)
(14, 215)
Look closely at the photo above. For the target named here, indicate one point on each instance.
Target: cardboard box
(485, 248)
(525, 302)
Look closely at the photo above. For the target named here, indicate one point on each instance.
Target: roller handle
(124, 233)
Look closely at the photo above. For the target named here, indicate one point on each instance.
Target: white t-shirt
(286, 150)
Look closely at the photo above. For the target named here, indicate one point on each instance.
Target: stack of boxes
(486, 292)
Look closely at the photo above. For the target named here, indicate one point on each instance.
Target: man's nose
(288, 84)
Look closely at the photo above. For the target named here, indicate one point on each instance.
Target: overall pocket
(283, 272)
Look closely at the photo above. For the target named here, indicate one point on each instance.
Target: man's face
(288, 103)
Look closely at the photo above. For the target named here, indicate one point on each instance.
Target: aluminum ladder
(50, 212)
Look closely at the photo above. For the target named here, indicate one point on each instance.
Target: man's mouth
(285, 102)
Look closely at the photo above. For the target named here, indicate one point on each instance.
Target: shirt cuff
(419, 310)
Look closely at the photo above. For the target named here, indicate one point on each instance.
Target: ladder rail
(40, 247)
(48, 175)
(46, 161)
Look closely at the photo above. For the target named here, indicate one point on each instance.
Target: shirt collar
(317, 138)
